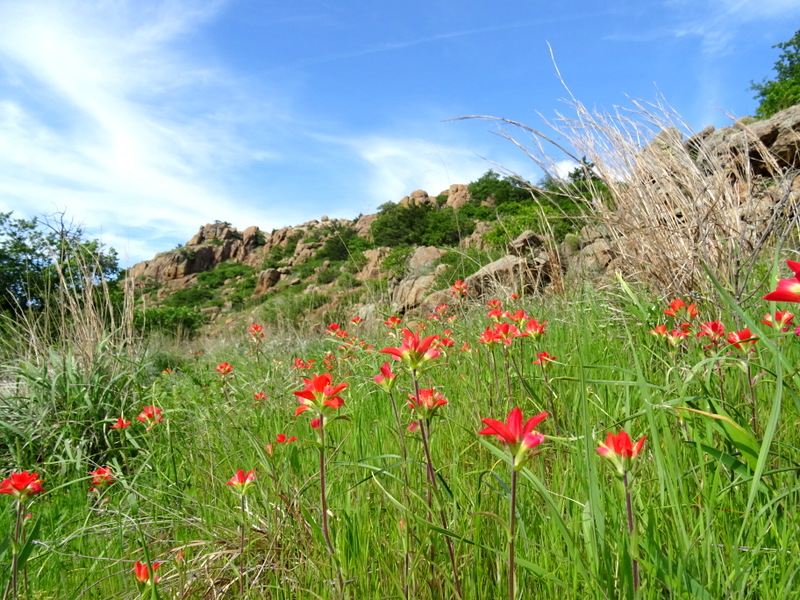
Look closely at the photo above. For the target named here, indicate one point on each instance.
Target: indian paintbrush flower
(387, 378)
(21, 485)
(620, 451)
(740, 339)
(150, 415)
(788, 290)
(427, 404)
(242, 481)
(224, 369)
(782, 320)
(519, 437)
(319, 395)
(416, 353)
(142, 573)
(120, 424)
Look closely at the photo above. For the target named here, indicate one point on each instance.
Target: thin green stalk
(512, 533)
(631, 537)
(324, 503)
(424, 427)
(404, 451)
(241, 548)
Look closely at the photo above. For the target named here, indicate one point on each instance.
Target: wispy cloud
(101, 111)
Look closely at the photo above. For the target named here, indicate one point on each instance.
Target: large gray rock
(424, 258)
(266, 279)
(508, 273)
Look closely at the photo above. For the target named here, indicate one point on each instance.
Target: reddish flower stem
(512, 533)
(324, 503)
(404, 450)
(425, 430)
(241, 549)
(629, 511)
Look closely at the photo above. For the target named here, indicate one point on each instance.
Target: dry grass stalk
(672, 207)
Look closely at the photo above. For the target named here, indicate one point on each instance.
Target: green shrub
(420, 224)
(327, 275)
(396, 262)
(292, 307)
(216, 277)
(190, 297)
(178, 321)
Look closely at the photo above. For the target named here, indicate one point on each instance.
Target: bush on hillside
(176, 321)
(216, 277)
(342, 243)
(419, 225)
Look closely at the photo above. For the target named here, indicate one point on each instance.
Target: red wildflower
(619, 450)
(737, 338)
(299, 363)
(520, 438)
(519, 317)
(495, 304)
(242, 481)
(386, 379)
(120, 424)
(102, 475)
(534, 328)
(21, 485)
(495, 314)
(142, 572)
(782, 320)
(319, 393)
(544, 358)
(333, 327)
(259, 396)
(256, 333)
(428, 402)
(415, 352)
(315, 423)
(501, 333)
(150, 415)
(458, 289)
(675, 309)
(788, 290)
(713, 330)
(392, 322)
(224, 369)
(356, 320)
(282, 439)
(674, 337)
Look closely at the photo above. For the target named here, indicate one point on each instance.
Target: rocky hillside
(221, 268)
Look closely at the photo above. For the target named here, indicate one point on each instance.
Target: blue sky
(143, 120)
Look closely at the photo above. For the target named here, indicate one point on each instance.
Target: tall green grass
(715, 499)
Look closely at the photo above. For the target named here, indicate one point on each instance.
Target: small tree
(783, 91)
(36, 257)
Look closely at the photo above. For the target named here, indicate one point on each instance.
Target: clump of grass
(671, 204)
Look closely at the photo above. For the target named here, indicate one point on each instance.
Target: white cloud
(100, 116)
(398, 165)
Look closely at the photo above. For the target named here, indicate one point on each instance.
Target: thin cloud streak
(100, 142)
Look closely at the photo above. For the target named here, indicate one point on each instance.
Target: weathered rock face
(457, 195)
(266, 279)
(508, 273)
(424, 258)
(410, 291)
(768, 146)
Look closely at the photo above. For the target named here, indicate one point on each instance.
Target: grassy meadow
(713, 494)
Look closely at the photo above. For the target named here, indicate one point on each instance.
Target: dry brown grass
(80, 318)
(672, 207)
